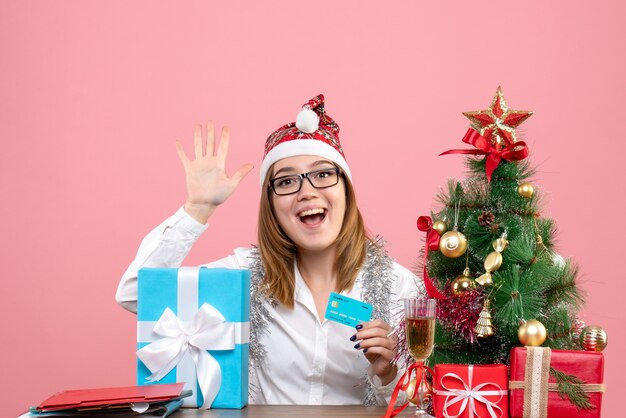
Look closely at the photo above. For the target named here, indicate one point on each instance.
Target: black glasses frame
(303, 176)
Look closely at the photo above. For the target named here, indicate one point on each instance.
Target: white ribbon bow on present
(207, 331)
(470, 395)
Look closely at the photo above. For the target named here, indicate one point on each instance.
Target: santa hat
(313, 133)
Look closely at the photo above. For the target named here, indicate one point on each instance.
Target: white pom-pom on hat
(307, 121)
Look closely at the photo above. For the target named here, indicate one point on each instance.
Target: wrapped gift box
(193, 327)
(462, 390)
(530, 364)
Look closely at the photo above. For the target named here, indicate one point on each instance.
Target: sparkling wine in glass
(420, 334)
(420, 316)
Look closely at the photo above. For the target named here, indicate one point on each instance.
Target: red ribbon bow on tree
(425, 224)
(515, 152)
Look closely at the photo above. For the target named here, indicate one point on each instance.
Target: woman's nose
(307, 190)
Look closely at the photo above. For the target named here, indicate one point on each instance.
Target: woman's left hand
(379, 348)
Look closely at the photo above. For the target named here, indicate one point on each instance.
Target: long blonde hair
(278, 252)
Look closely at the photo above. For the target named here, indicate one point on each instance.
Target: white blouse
(310, 360)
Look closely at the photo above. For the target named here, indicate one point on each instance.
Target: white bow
(207, 331)
(470, 395)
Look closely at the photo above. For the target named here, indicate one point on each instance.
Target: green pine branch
(569, 386)
(521, 248)
(449, 348)
(557, 319)
(546, 228)
(563, 287)
(448, 197)
(518, 297)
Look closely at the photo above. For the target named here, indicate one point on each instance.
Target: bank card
(347, 311)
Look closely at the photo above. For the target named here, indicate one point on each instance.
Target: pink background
(93, 96)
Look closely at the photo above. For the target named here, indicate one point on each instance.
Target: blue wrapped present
(193, 327)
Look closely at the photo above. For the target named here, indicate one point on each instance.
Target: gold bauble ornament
(410, 392)
(440, 226)
(425, 390)
(453, 244)
(532, 333)
(526, 190)
(484, 327)
(463, 284)
(593, 338)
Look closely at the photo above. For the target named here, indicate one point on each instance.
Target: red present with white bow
(468, 391)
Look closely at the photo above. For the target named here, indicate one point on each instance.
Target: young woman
(311, 242)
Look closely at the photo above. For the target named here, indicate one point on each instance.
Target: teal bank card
(347, 311)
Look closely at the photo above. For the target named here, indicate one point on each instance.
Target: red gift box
(463, 390)
(541, 399)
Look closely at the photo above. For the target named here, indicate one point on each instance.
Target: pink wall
(93, 96)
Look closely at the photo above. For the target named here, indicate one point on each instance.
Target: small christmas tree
(489, 255)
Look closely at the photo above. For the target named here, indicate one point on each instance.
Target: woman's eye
(285, 182)
(324, 173)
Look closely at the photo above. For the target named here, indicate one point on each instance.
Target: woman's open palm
(208, 184)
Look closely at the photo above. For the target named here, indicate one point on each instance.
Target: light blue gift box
(228, 291)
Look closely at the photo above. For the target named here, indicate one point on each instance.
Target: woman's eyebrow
(285, 170)
(313, 165)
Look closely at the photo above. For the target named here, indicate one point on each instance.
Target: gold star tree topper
(497, 124)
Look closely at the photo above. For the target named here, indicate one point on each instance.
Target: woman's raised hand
(208, 185)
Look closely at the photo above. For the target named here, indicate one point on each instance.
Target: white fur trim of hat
(296, 147)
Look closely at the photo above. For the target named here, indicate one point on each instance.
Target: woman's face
(311, 218)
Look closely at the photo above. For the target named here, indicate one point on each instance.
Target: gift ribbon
(536, 377)
(403, 384)
(425, 224)
(207, 331)
(554, 387)
(469, 395)
(515, 152)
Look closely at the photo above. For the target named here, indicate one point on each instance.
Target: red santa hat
(313, 133)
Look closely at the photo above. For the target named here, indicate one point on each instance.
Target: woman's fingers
(241, 173)
(377, 323)
(380, 352)
(222, 149)
(181, 155)
(210, 138)
(204, 148)
(208, 184)
(197, 142)
(376, 337)
(376, 328)
(377, 342)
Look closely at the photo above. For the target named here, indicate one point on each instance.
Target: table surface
(298, 411)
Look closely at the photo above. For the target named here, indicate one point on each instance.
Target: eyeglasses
(320, 179)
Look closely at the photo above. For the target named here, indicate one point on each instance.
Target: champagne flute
(420, 316)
